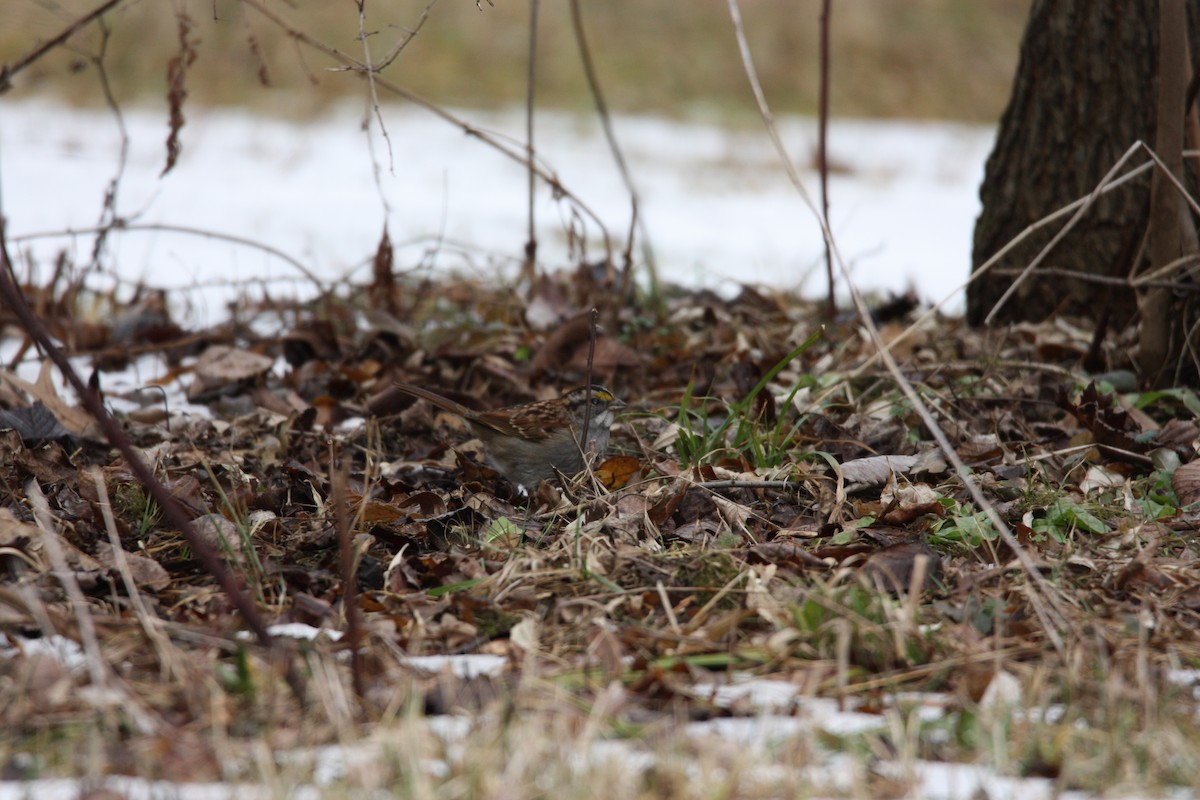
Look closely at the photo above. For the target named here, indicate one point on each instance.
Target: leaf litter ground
(772, 515)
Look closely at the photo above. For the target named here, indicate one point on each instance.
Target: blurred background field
(925, 59)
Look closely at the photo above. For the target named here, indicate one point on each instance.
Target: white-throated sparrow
(530, 442)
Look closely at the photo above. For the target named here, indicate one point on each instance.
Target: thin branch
(1061, 234)
(991, 263)
(635, 221)
(190, 231)
(338, 475)
(9, 70)
(373, 94)
(113, 692)
(1081, 207)
(530, 267)
(108, 212)
(1045, 592)
(11, 294)
(1112, 280)
(409, 34)
(587, 406)
(170, 662)
(822, 152)
(512, 152)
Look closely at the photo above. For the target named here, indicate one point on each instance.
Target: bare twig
(117, 437)
(341, 515)
(109, 218)
(530, 267)
(1062, 232)
(168, 658)
(764, 110)
(822, 152)
(635, 221)
(373, 97)
(991, 263)
(111, 693)
(409, 34)
(515, 152)
(190, 231)
(9, 70)
(97, 669)
(587, 406)
(1081, 206)
(1042, 600)
(1111, 280)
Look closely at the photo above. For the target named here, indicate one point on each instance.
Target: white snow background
(716, 203)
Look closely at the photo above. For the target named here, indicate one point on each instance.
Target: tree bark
(1165, 315)
(1085, 91)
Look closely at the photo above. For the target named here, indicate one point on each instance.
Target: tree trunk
(1085, 91)
(1168, 314)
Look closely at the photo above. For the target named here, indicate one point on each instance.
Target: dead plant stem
(170, 662)
(373, 100)
(190, 231)
(515, 152)
(109, 218)
(111, 692)
(530, 94)
(822, 153)
(346, 561)
(117, 437)
(1043, 599)
(610, 134)
(9, 70)
(988, 265)
(1082, 210)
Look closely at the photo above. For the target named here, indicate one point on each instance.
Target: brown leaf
(1179, 435)
(1110, 425)
(383, 292)
(73, 418)
(617, 471)
(906, 502)
(1137, 573)
(862, 473)
(561, 343)
(218, 533)
(146, 572)
(34, 424)
(892, 568)
(609, 357)
(1186, 483)
(222, 366)
(667, 505)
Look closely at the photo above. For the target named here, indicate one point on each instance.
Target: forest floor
(775, 539)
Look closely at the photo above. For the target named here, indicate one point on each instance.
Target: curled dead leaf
(617, 471)
(221, 366)
(146, 573)
(1186, 483)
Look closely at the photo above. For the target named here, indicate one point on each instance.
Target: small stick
(531, 244)
(8, 70)
(587, 409)
(117, 437)
(337, 474)
(822, 154)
